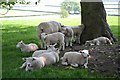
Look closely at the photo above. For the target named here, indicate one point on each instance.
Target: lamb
(56, 37)
(47, 27)
(27, 47)
(42, 60)
(77, 30)
(50, 48)
(68, 35)
(76, 58)
(98, 41)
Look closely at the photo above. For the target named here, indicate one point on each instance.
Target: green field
(16, 30)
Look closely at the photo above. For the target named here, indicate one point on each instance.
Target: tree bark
(93, 16)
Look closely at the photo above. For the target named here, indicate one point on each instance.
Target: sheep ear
(24, 59)
(21, 41)
(80, 51)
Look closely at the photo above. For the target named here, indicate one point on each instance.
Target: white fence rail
(112, 8)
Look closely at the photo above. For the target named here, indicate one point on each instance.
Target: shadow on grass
(12, 57)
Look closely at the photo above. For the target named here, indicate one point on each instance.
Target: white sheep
(98, 41)
(34, 63)
(68, 35)
(49, 49)
(27, 47)
(47, 27)
(78, 31)
(56, 37)
(76, 58)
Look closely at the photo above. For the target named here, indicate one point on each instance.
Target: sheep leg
(60, 46)
(42, 43)
(57, 57)
(79, 39)
(74, 65)
(26, 69)
(71, 39)
(85, 65)
(63, 46)
(23, 65)
(67, 42)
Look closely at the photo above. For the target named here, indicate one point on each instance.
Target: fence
(112, 9)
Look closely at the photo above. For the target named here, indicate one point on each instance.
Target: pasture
(15, 30)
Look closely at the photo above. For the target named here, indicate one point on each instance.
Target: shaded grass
(16, 30)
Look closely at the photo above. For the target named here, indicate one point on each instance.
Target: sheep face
(64, 31)
(31, 63)
(20, 44)
(51, 47)
(85, 53)
(43, 35)
(57, 51)
(89, 43)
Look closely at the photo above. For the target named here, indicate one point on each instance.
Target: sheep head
(85, 53)
(20, 44)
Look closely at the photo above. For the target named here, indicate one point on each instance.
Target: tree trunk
(93, 16)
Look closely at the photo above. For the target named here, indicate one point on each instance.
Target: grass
(16, 30)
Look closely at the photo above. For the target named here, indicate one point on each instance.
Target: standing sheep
(68, 35)
(27, 47)
(56, 37)
(78, 31)
(76, 58)
(38, 62)
(99, 41)
(47, 27)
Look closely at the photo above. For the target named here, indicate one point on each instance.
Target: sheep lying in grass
(99, 41)
(49, 49)
(77, 32)
(76, 58)
(68, 35)
(27, 47)
(47, 27)
(34, 63)
(56, 37)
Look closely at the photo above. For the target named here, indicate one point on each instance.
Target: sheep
(42, 60)
(56, 37)
(76, 58)
(68, 35)
(98, 41)
(50, 48)
(77, 30)
(27, 47)
(47, 27)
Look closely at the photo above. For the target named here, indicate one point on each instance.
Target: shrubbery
(64, 13)
(69, 6)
